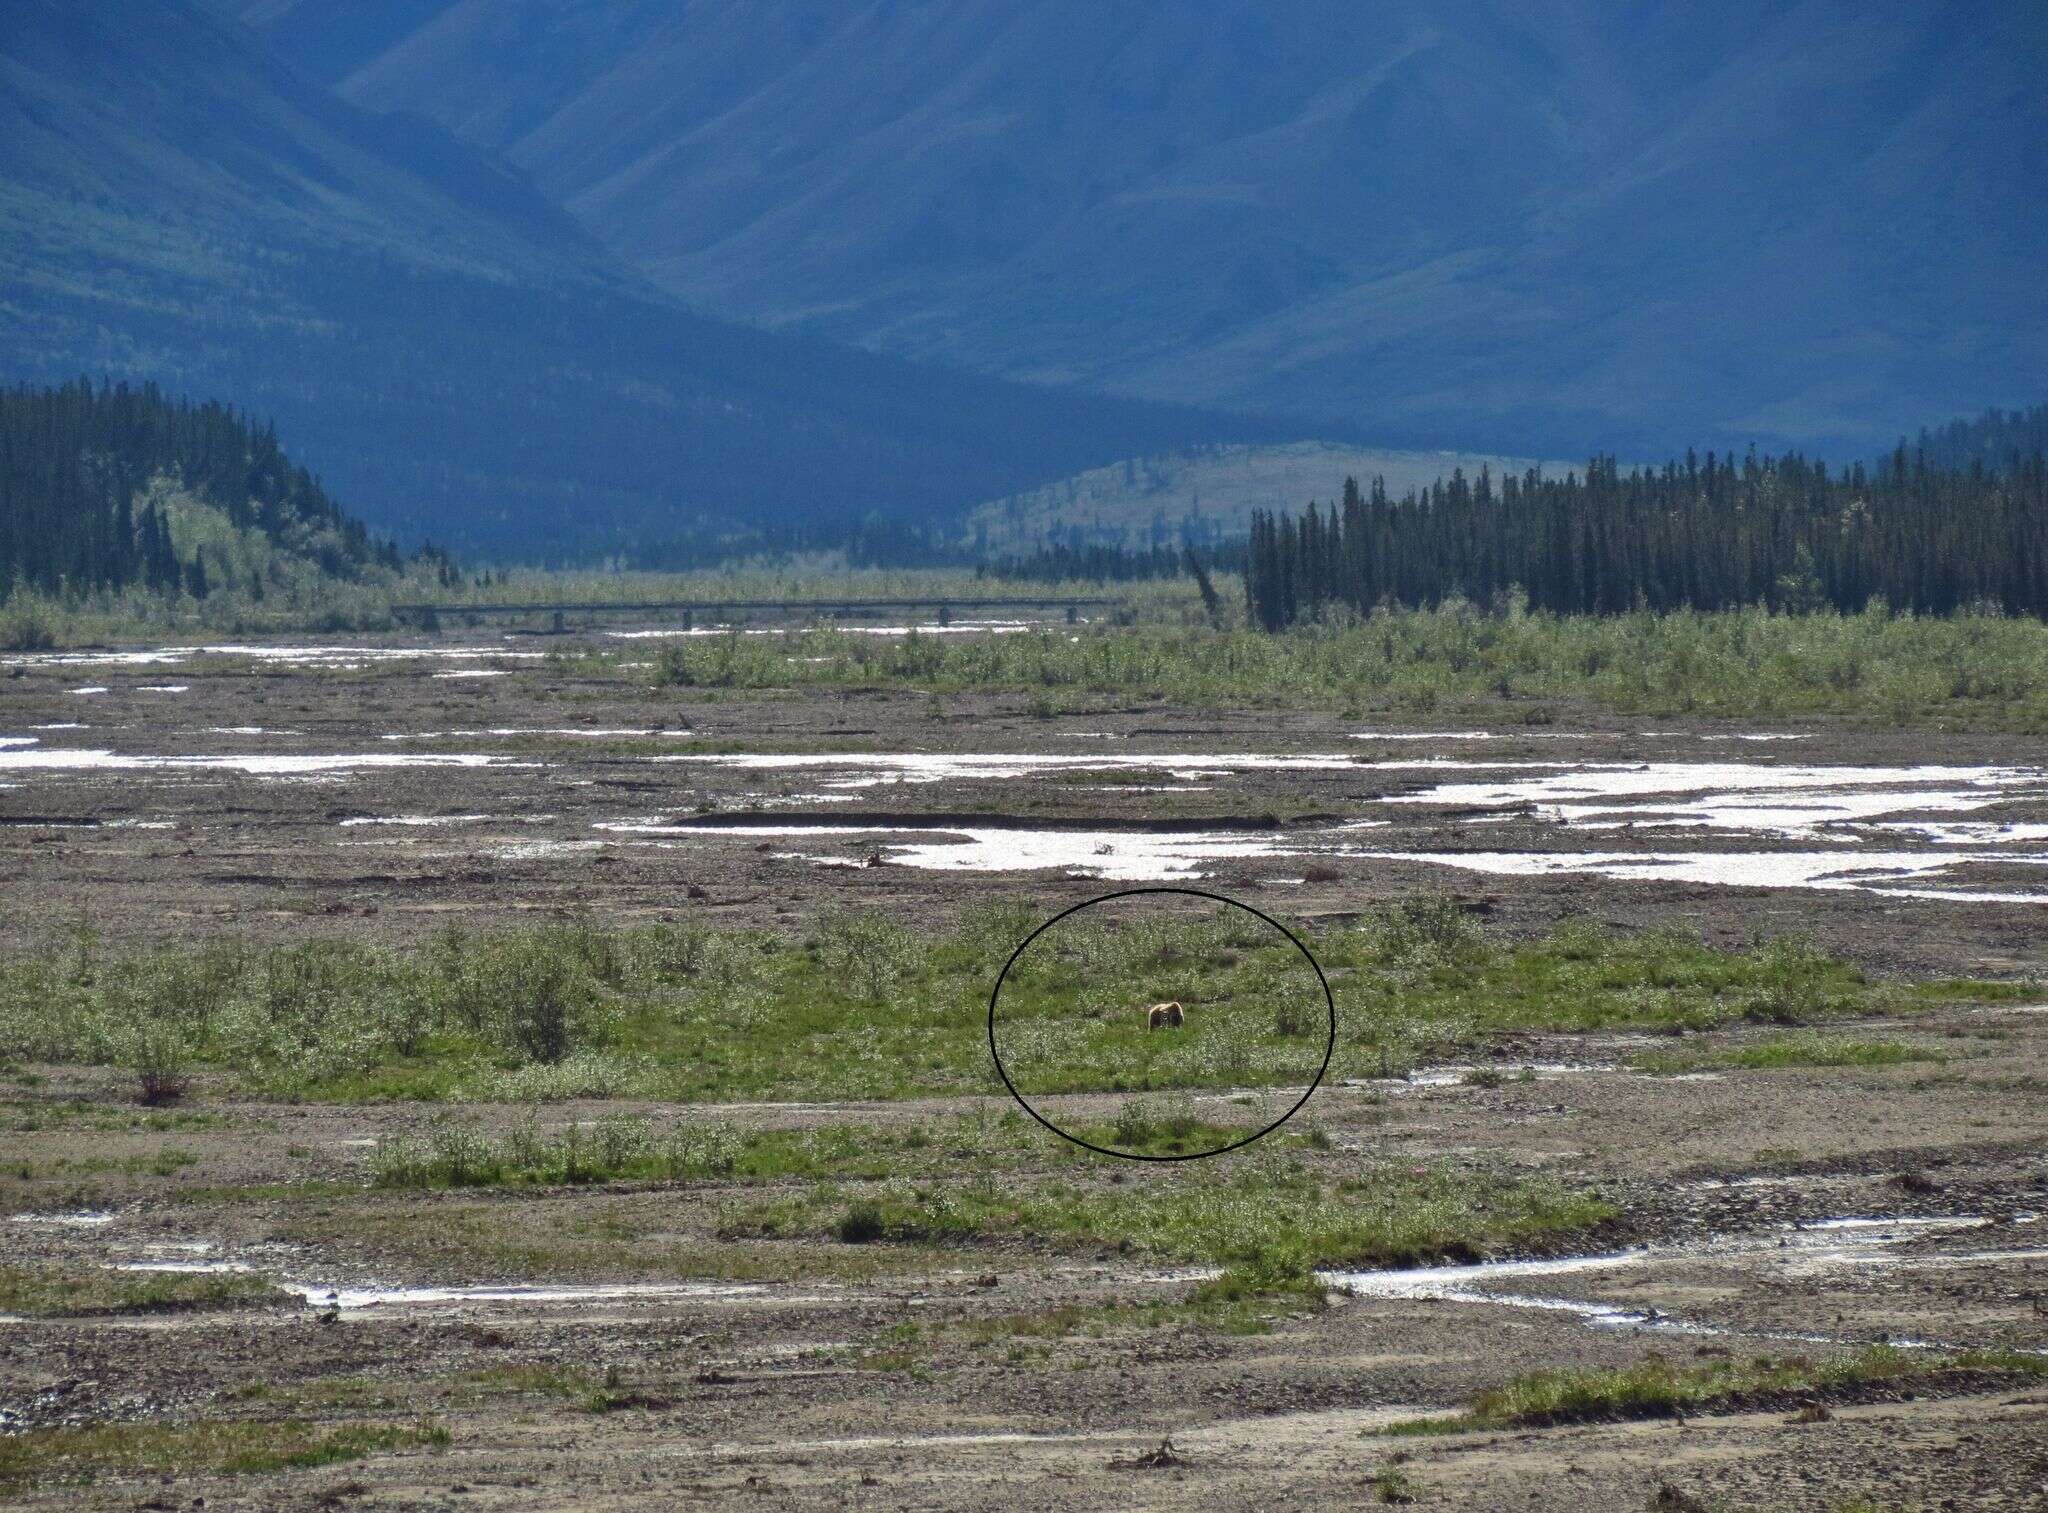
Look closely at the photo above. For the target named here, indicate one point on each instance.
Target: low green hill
(114, 490)
(1205, 494)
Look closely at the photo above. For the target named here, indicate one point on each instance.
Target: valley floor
(215, 1300)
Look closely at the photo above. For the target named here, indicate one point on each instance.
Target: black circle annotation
(1329, 1048)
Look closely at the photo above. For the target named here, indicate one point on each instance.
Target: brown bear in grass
(1165, 1016)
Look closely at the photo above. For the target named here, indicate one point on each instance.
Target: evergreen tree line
(1782, 532)
(874, 540)
(870, 540)
(75, 510)
(1106, 564)
(2000, 440)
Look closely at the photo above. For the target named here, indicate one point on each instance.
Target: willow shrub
(1982, 668)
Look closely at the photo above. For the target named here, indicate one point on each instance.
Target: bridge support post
(945, 614)
(1071, 615)
(689, 620)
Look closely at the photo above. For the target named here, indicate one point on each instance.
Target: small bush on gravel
(870, 951)
(1299, 1008)
(862, 1223)
(158, 1056)
(1426, 930)
(1133, 1125)
(539, 994)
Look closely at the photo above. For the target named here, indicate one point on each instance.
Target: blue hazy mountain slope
(455, 355)
(1530, 224)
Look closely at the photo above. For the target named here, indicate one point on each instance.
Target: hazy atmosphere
(1017, 754)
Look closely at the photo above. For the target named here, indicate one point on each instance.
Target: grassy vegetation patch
(100, 1118)
(619, 1149)
(327, 1394)
(1273, 1219)
(1974, 990)
(1750, 663)
(32, 1291)
(454, 1152)
(1241, 1305)
(1168, 1128)
(899, 1353)
(687, 1012)
(1966, 669)
(230, 1448)
(162, 1163)
(586, 1391)
(1656, 1387)
(1270, 1218)
(1821, 1050)
(607, 1391)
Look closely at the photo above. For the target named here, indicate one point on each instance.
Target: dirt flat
(776, 1380)
(318, 797)
(1783, 1211)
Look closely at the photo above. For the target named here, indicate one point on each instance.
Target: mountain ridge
(1539, 227)
(453, 354)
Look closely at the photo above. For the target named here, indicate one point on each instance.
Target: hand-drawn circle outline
(1329, 1049)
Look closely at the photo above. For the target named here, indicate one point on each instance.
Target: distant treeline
(77, 511)
(1999, 441)
(875, 541)
(870, 540)
(1106, 564)
(1782, 532)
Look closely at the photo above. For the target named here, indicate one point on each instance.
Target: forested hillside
(1783, 532)
(453, 354)
(111, 488)
(1199, 496)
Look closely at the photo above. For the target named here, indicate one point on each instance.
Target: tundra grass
(1982, 670)
(1240, 1308)
(231, 1448)
(99, 1118)
(1274, 1222)
(162, 1163)
(455, 1153)
(1267, 1220)
(1747, 664)
(1657, 1388)
(56, 1292)
(863, 1008)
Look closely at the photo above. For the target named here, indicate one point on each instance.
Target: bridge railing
(721, 610)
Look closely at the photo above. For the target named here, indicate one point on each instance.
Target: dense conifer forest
(1720, 533)
(1998, 440)
(90, 479)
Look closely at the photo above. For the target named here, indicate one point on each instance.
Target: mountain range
(1541, 226)
(571, 278)
(458, 357)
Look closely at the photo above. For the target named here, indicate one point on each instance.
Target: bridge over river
(725, 611)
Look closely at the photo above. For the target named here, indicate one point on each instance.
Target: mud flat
(310, 787)
(189, 1288)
